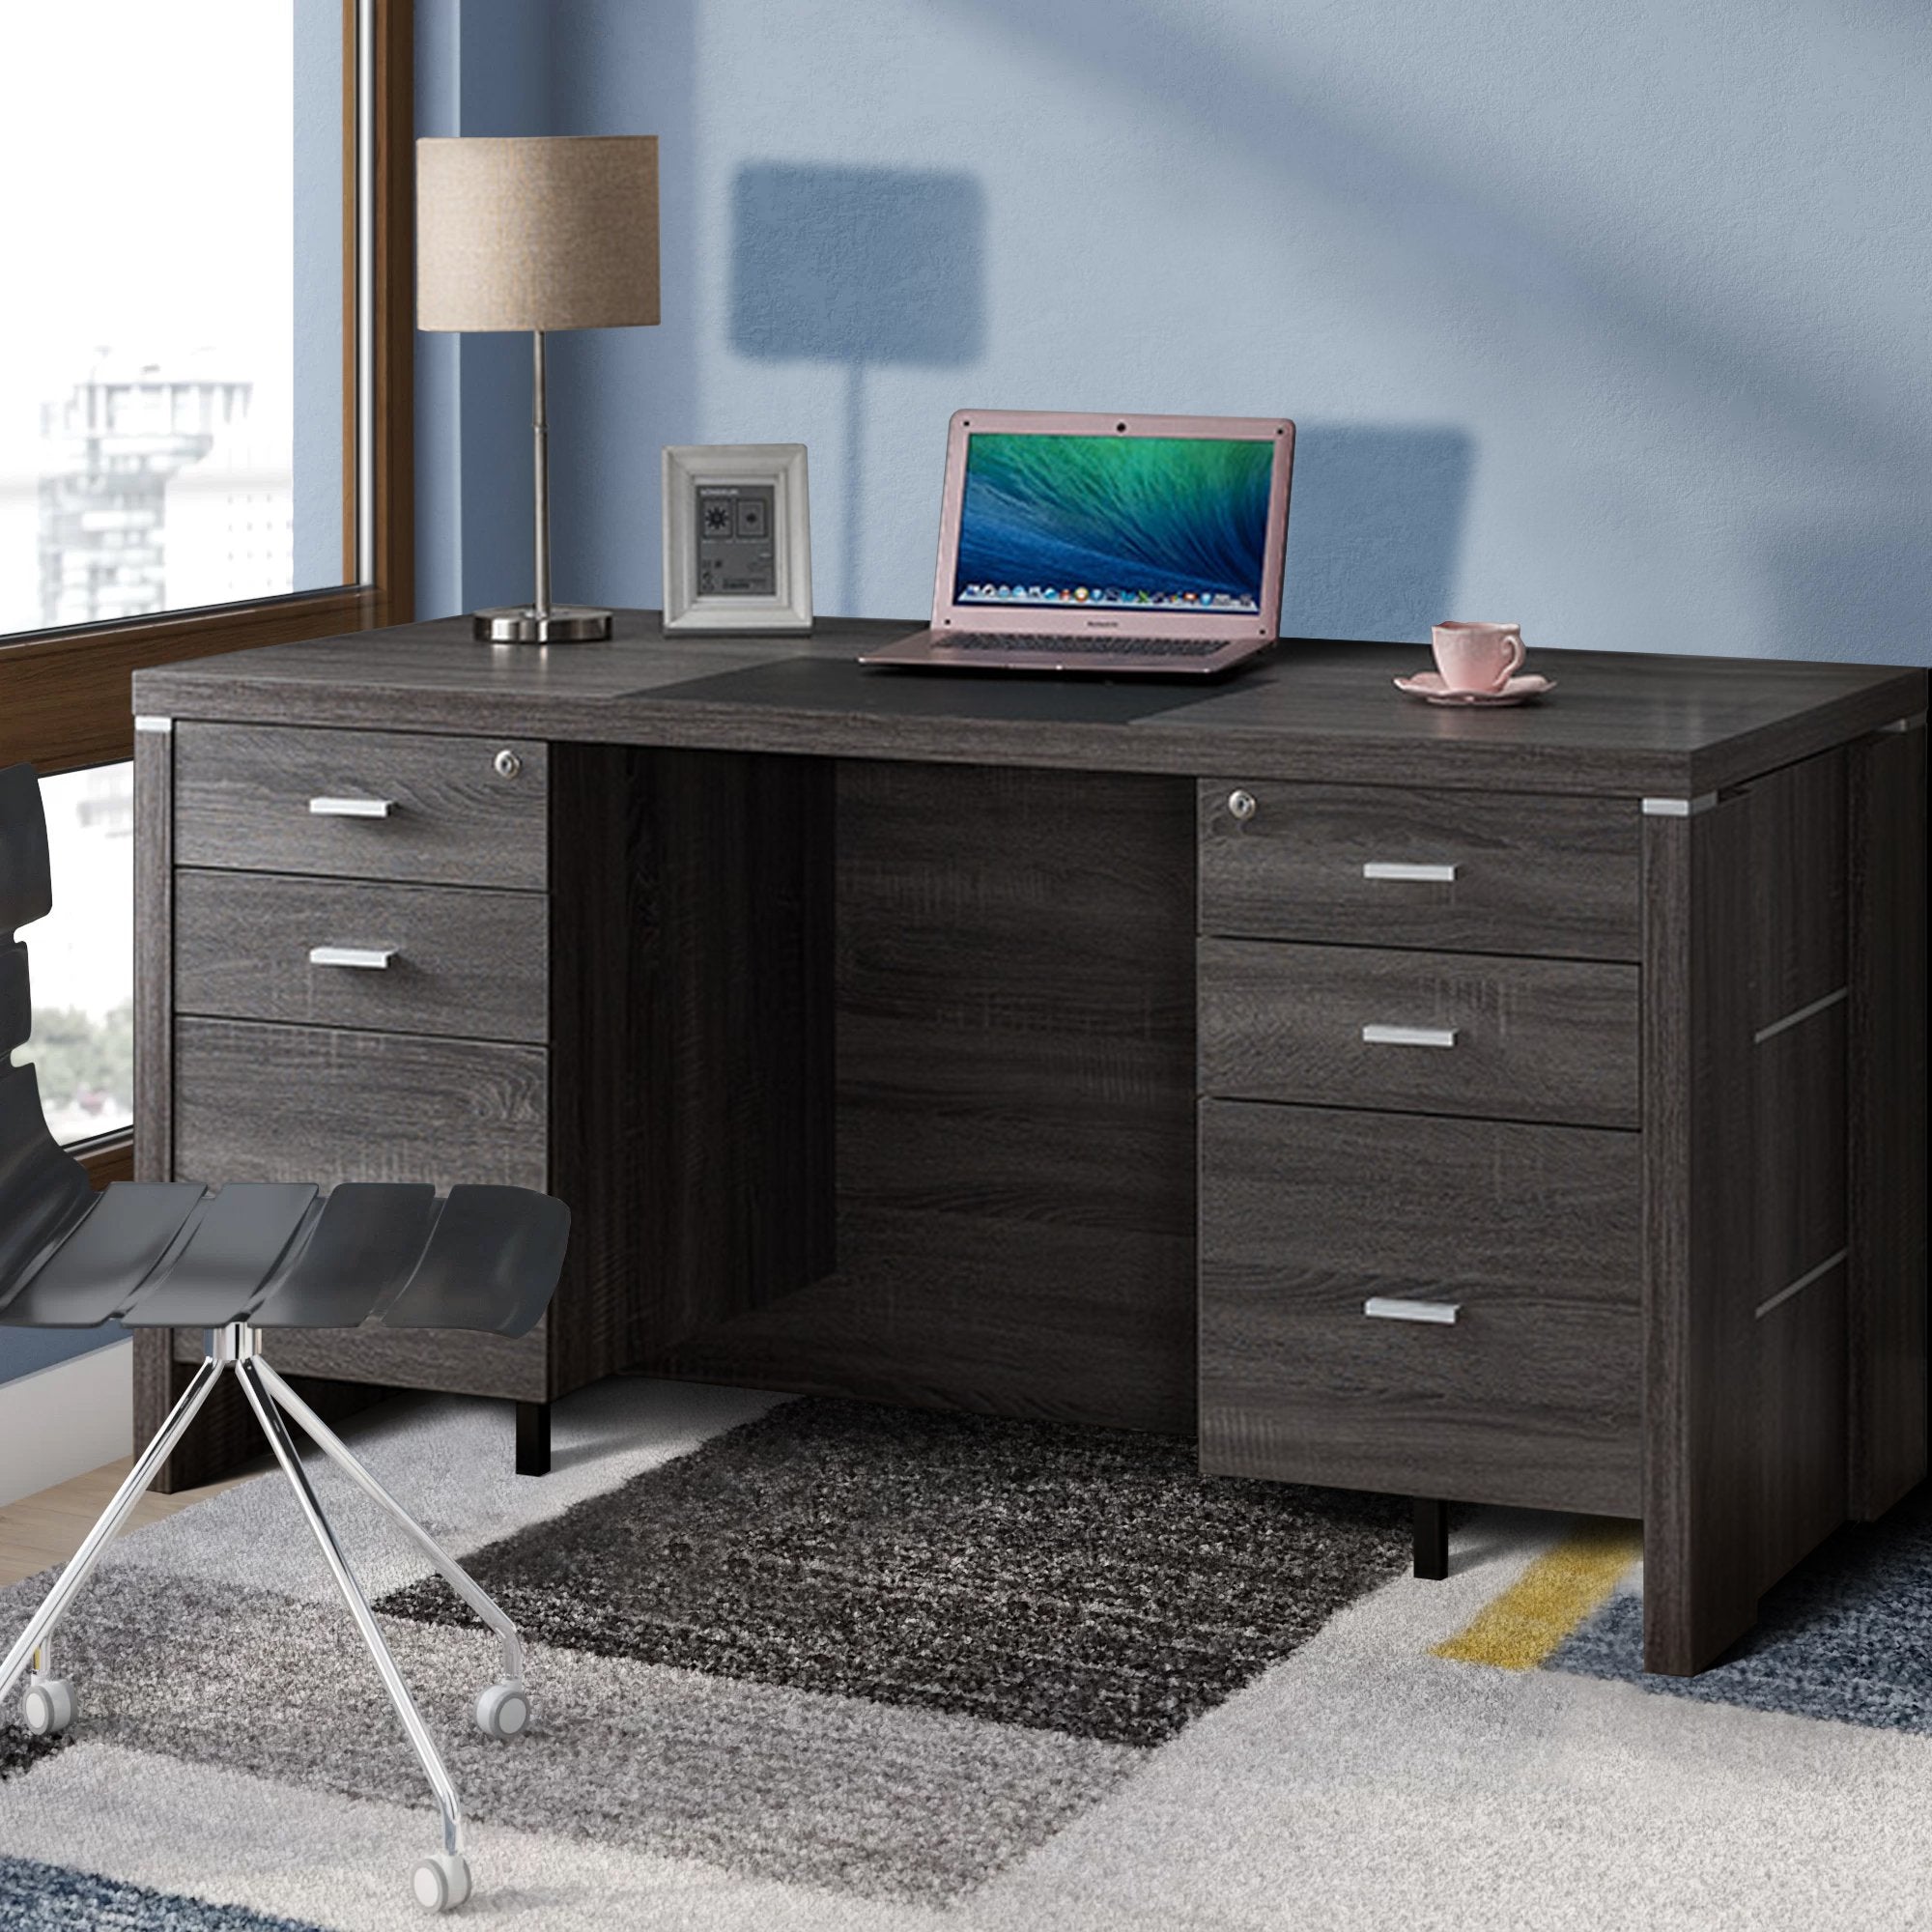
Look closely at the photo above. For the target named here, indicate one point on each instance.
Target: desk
(1026, 1047)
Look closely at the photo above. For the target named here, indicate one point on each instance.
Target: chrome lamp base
(525, 624)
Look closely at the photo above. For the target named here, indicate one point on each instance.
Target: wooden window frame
(64, 698)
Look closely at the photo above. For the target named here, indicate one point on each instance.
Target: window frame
(65, 697)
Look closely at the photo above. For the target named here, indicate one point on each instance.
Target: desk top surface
(1617, 723)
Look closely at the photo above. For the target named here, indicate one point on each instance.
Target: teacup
(1477, 657)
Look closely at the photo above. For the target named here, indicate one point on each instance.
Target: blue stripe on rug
(1847, 1635)
(35, 1897)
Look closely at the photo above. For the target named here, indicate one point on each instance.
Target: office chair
(243, 1262)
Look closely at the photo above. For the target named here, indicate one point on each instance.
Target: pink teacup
(1478, 657)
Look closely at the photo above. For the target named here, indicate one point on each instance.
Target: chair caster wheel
(47, 1706)
(503, 1711)
(441, 1882)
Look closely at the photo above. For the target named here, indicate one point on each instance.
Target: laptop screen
(1157, 522)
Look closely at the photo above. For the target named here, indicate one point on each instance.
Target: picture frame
(737, 538)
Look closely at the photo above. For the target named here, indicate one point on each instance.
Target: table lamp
(553, 232)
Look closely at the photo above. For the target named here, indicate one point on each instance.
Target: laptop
(1129, 546)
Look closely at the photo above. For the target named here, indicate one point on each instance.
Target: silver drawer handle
(1402, 1036)
(366, 958)
(1395, 868)
(1395, 1308)
(350, 808)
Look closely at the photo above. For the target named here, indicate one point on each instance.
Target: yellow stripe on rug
(1548, 1599)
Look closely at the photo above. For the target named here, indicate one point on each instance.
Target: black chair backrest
(42, 1189)
(26, 894)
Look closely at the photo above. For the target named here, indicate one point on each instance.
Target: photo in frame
(737, 538)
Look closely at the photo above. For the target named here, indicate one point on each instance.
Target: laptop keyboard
(1111, 647)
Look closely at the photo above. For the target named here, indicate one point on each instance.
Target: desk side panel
(1746, 1141)
(1888, 1276)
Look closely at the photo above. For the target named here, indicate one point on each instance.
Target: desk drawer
(1532, 1395)
(1433, 1033)
(256, 1102)
(1453, 871)
(463, 1361)
(362, 805)
(437, 959)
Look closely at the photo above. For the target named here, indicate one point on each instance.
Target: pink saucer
(1519, 690)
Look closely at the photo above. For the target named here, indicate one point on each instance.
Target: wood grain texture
(1623, 726)
(1746, 1152)
(1016, 1047)
(458, 1361)
(691, 972)
(153, 955)
(155, 1385)
(241, 801)
(1535, 1040)
(1530, 1396)
(1798, 1151)
(1547, 876)
(468, 962)
(258, 1102)
(1885, 1283)
(1700, 1527)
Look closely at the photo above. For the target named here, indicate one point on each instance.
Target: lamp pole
(540, 442)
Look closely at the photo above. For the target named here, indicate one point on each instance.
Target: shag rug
(815, 1665)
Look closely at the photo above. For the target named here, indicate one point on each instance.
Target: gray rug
(236, 1768)
(875, 1653)
(1086, 1581)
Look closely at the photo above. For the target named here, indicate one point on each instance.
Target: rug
(1080, 1582)
(814, 1667)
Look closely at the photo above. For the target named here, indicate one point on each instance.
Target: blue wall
(1611, 319)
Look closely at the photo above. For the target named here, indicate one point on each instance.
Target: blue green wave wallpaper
(1170, 522)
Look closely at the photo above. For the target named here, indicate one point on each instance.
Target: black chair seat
(174, 1255)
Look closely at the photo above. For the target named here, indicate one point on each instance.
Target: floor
(48, 1529)
(1410, 1765)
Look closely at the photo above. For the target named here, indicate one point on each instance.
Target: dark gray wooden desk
(1514, 1106)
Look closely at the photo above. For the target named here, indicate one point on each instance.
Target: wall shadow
(864, 267)
(1373, 530)
(1855, 593)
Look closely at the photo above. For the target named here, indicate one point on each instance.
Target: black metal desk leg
(1431, 1539)
(533, 1439)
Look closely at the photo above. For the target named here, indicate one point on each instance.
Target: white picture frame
(687, 469)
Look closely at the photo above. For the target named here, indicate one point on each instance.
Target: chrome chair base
(441, 1882)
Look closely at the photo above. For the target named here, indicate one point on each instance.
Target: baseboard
(61, 1422)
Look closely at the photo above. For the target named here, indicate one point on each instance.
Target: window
(171, 400)
(81, 957)
(205, 408)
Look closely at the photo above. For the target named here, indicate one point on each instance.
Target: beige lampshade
(556, 232)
